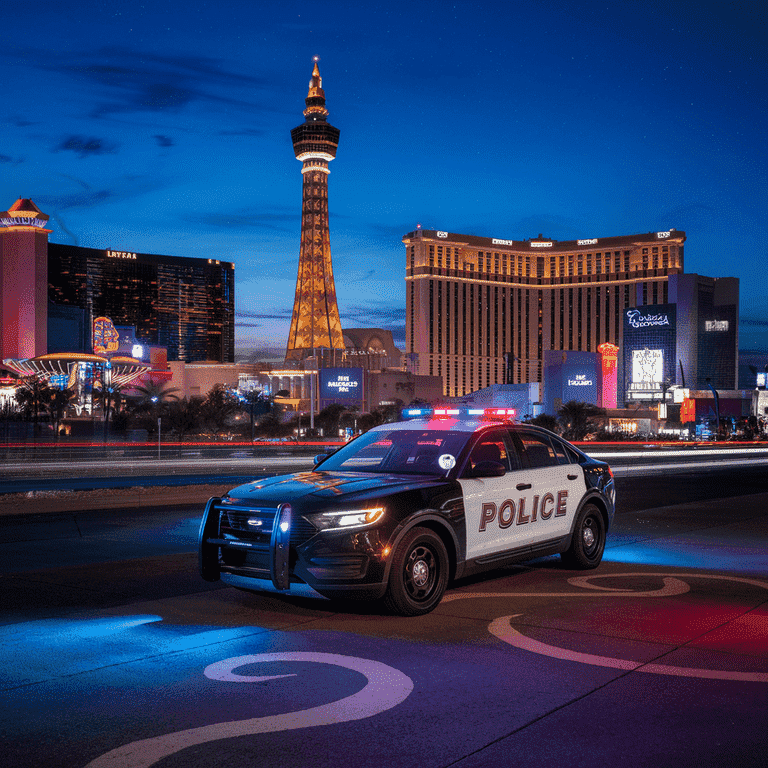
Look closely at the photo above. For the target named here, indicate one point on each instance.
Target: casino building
(483, 311)
(183, 304)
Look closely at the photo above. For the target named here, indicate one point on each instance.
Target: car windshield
(399, 451)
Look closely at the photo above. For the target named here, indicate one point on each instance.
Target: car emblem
(255, 522)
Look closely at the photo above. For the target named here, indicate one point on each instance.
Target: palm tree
(578, 419)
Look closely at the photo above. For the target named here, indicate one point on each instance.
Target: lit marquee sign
(105, 336)
(609, 357)
(23, 221)
(647, 368)
(120, 255)
(638, 320)
(341, 383)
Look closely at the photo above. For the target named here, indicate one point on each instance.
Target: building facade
(184, 304)
(23, 281)
(482, 311)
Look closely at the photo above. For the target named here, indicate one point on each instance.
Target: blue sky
(165, 128)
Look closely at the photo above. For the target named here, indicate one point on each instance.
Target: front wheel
(588, 542)
(419, 574)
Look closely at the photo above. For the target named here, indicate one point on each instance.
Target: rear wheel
(419, 574)
(588, 542)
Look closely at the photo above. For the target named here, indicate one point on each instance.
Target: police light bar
(417, 413)
(446, 412)
(506, 414)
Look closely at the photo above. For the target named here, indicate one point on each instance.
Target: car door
(553, 489)
(490, 503)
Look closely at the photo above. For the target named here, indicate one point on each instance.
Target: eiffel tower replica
(315, 324)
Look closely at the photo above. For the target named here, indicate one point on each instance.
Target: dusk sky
(165, 128)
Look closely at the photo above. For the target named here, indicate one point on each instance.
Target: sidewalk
(43, 502)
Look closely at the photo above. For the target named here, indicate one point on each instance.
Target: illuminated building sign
(341, 384)
(105, 336)
(502, 242)
(638, 320)
(647, 369)
(442, 234)
(592, 241)
(23, 221)
(715, 325)
(663, 235)
(121, 255)
(609, 355)
(580, 381)
(541, 245)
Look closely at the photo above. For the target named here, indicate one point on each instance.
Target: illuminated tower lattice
(315, 324)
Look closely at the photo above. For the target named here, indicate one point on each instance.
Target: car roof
(441, 424)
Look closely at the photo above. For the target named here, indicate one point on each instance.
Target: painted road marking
(502, 628)
(386, 687)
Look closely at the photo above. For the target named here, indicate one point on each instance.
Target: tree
(328, 419)
(578, 419)
(150, 400)
(184, 416)
(33, 394)
(544, 420)
(219, 405)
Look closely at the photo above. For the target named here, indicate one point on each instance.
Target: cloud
(253, 218)
(164, 141)
(85, 146)
(135, 81)
(279, 315)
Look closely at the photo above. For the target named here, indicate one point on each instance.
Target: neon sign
(121, 255)
(22, 221)
(105, 336)
(581, 380)
(637, 320)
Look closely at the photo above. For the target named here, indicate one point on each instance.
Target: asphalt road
(114, 652)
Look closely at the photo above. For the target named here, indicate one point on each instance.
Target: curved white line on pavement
(386, 688)
(672, 586)
(502, 629)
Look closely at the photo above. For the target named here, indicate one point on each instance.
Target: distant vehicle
(403, 509)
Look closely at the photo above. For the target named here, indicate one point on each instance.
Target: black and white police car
(404, 509)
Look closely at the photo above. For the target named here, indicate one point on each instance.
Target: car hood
(326, 486)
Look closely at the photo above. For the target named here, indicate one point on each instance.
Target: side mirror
(320, 457)
(488, 469)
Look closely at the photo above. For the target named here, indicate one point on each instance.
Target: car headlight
(345, 518)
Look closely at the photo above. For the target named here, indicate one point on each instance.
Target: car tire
(419, 574)
(588, 540)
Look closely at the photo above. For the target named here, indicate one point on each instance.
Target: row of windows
(603, 262)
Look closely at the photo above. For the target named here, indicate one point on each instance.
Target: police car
(402, 510)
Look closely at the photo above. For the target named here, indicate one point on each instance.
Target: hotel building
(183, 304)
(482, 311)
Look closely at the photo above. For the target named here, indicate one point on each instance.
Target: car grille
(254, 524)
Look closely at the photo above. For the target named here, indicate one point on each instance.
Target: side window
(492, 447)
(563, 455)
(537, 451)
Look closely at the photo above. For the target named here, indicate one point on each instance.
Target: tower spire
(315, 323)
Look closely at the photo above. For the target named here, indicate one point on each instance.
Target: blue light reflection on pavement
(53, 648)
(752, 560)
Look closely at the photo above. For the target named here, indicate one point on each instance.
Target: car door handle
(523, 486)
(572, 477)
